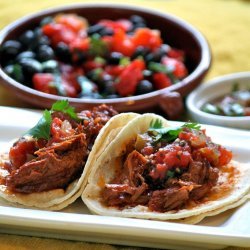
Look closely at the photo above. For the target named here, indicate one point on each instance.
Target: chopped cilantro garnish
(170, 174)
(158, 67)
(97, 46)
(168, 134)
(42, 128)
(64, 107)
(124, 61)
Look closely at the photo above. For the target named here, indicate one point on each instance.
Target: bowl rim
(202, 67)
(219, 80)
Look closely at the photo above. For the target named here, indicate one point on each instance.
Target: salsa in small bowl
(223, 101)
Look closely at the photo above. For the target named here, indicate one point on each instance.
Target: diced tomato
(161, 80)
(72, 21)
(91, 64)
(179, 69)
(195, 138)
(225, 156)
(122, 43)
(147, 38)
(183, 135)
(81, 44)
(108, 41)
(69, 80)
(168, 158)
(138, 63)
(19, 152)
(50, 28)
(59, 33)
(147, 150)
(159, 172)
(177, 54)
(60, 129)
(122, 24)
(114, 70)
(173, 156)
(130, 77)
(211, 154)
(65, 35)
(44, 82)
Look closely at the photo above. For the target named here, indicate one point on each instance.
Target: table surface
(226, 27)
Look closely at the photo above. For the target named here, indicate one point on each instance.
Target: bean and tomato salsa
(66, 56)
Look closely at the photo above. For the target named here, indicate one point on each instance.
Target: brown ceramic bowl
(175, 32)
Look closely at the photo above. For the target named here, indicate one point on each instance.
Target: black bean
(115, 58)
(95, 29)
(45, 53)
(46, 20)
(165, 48)
(30, 66)
(109, 88)
(39, 40)
(140, 51)
(27, 38)
(62, 51)
(50, 66)
(112, 96)
(144, 87)
(139, 25)
(10, 49)
(135, 19)
(25, 54)
(154, 56)
(106, 32)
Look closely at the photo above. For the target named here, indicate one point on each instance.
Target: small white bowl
(213, 89)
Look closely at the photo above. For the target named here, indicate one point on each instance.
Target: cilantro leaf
(158, 67)
(42, 128)
(63, 106)
(168, 134)
(192, 125)
(97, 46)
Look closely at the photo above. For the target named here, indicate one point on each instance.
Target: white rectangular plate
(231, 228)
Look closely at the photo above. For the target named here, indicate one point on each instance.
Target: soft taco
(45, 167)
(156, 171)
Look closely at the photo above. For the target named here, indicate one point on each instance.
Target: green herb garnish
(168, 134)
(170, 174)
(97, 46)
(42, 129)
(158, 67)
(124, 61)
(63, 106)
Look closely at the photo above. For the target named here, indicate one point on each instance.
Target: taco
(156, 171)
(44, 168)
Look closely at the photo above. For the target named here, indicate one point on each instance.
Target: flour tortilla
(57, 199)
(104, 171)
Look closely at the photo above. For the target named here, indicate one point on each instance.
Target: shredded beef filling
(55, 167)
(145, 179)
(42, 165)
